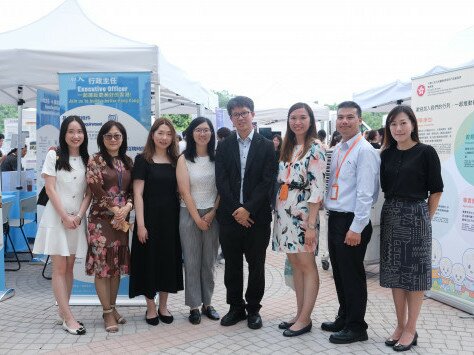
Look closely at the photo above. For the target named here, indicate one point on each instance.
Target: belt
(341, 214)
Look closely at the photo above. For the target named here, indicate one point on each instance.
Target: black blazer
(260, 174)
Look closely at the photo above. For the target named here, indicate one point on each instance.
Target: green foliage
(332, 107)
(224, 97)
(7, 111)
(180, 122)
(373, 119)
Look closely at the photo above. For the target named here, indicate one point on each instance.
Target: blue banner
(98, 98)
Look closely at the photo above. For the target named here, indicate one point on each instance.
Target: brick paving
(27, 323)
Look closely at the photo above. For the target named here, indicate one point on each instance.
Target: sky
(281, 52)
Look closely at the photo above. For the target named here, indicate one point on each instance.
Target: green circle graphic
(464, 149)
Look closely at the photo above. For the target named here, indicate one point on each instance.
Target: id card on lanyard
(335, 187)
(285, 187)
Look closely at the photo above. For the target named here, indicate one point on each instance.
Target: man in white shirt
(352, 190)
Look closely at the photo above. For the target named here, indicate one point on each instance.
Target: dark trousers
(348, 269)
(236, 242)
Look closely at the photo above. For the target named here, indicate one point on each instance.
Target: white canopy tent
(66, 40)
(384, 98)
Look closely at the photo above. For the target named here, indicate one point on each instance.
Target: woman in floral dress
(108, 255)
(301, 177)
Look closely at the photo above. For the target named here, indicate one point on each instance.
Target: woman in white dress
(62, 229)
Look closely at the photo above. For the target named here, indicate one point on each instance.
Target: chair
(44, 269)
(6, 207)
(27, 205)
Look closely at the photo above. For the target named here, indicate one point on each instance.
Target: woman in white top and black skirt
(198, 227)
(410, 173)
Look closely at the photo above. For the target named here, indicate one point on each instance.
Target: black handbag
(42, 197)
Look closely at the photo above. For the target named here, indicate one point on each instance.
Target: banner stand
(8, 293)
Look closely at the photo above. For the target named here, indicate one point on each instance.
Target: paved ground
(27, 323)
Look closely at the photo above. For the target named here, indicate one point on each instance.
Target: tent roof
(66, 40)
(267, 117)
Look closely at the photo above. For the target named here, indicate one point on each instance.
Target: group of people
(185, 205)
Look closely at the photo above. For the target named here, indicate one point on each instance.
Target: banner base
(458, 303)
(8, 293)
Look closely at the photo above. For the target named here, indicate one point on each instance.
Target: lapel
(236, 152)
(252, 151)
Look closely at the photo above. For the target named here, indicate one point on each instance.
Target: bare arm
(182, 176)
(142, 233)
(50, 186)
(433, 202)
(310, 235)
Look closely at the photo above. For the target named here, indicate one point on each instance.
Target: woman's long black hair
(122, 153)
(190, 151)
(63, 151)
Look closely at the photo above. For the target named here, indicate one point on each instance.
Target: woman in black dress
(410, 173)
(156, 249)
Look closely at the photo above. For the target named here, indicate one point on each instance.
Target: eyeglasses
(244, 114)
(202, 130)
(115, 137)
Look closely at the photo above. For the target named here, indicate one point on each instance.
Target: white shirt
(358, 182)
(244, 147)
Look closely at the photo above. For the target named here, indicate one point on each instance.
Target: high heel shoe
(118, 317)
(78, 331)
(401, 347)
(113, 328)
(391, 341)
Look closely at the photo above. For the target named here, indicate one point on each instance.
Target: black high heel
(401, 347)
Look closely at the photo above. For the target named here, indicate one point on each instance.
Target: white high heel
(79, 331)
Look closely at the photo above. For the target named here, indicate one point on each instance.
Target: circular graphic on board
(464, 149)
(446, 214)
(465, 227)
(94, 116)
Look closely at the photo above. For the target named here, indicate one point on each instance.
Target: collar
(347, 144)
(250, 136)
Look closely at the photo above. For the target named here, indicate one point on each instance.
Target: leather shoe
(194, 316)
(401, 347)
(285, 325)
(165, 319)
(347, 336)
(210, 312)
(254, 321)
(335, 326)
(293, 333)
(391, 342)
(152, 321)
(233, 317)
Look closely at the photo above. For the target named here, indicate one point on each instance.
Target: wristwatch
(311, 226)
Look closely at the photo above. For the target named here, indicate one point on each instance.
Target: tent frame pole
(20, 103)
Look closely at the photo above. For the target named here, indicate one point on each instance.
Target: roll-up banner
(98, 98)
(444, 106)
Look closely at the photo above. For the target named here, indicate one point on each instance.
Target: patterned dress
(108, 253)
(307, 184)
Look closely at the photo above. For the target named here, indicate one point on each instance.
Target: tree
(373, 119)
(224, 97)
(180, 122)
(7, 111)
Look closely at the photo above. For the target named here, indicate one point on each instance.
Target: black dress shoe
(194, 316)
(285, 325)
(233, 317)
(254, 321)
(152, 321)
(401, 347)
(210, 312)
(293, 333)
(335, 326)
(347, 336)
(165, 319)
(391, 342)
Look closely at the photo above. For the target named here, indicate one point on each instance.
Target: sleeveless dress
(52, 237)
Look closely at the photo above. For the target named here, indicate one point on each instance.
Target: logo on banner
(113, 117)
(421, 90)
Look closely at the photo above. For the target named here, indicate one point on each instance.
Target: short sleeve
(316, 174)
(49, 166)
(435, 181)
(140, 168)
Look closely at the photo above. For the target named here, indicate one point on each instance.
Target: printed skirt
(405, 245)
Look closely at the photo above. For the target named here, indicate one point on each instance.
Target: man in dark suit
(245, 173)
